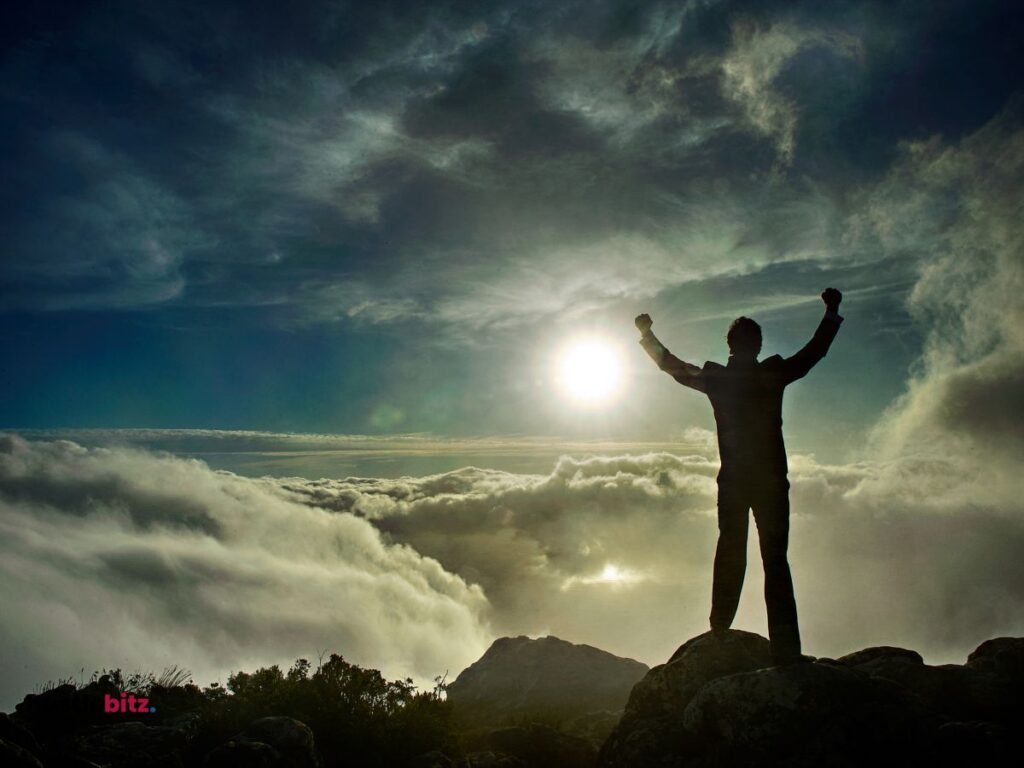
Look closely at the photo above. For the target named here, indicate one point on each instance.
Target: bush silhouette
(356, 715)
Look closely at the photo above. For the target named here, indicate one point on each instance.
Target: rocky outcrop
(270, 741)
(132, 742)
(245, 754)
(493, 760)
(718, 701)
(538, 746)
(518, 680)
(650, 726)
(66, 708)
(805, 714)
(15, 756)
(14, 734)
(67, 727)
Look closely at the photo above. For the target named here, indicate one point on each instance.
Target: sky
(287, 293)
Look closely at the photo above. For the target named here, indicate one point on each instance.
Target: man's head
(744, 337)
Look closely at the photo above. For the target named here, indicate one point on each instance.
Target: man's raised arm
(683, 372)
(798, 365)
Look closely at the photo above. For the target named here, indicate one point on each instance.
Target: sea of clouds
(141, 559)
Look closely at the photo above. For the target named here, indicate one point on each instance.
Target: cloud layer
(141, 560)
(870, 548)
(122, 556)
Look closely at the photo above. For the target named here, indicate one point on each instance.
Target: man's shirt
(746, 396)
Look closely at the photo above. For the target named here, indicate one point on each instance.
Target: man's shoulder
(772, 362)
(710, 366)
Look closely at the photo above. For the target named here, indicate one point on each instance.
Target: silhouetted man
(746, 396)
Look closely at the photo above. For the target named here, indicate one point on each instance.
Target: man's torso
(747, 401)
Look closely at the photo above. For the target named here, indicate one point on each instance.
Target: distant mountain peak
(546, 677)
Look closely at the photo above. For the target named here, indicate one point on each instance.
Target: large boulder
(539, 746)
(14, 756)
(519, 680)
(275, 742)
(132, 743)
(493, 760)
(985, 689)
(15, 733)
(435, 758)
(649, 732)
(66, 708)
(880, 654)
(998, 677)
(1003, 656)
(719, 702)
(290, 737)
(245, 754)
(804, 715)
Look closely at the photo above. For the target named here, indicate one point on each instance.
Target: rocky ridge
(717, 701)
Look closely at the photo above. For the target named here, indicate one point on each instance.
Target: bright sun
(590, 371)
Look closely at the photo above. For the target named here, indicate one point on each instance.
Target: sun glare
(590, 371)
(611, 575)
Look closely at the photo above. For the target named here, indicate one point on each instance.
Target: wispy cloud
(962, 204)
(120, 241)
(758, 55)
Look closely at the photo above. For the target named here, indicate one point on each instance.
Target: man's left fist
(831, 297)
(643, 322)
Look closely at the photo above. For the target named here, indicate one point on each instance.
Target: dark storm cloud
(385, 162)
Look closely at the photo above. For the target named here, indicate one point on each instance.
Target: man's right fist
(831, 297)
(643, 322)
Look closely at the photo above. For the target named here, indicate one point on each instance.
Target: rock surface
(245, 754)
(17, 734)
(551, 680)
(538, 746)
(719, 702)
(126, 743)
(14, 756)
(269, 741)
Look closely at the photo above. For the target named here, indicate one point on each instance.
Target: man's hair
(744, 336)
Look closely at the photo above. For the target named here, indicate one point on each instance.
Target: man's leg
(771, 512)
(731, 554)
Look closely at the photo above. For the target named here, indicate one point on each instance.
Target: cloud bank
(962, 203)
(123, 556)
(141, 560)
(871, 548)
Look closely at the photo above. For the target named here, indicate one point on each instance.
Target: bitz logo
(128, 702)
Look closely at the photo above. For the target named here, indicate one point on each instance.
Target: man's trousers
(768, 496)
